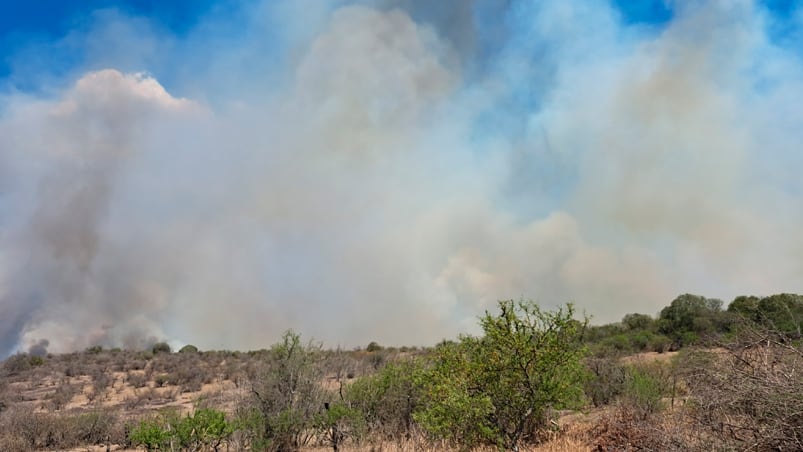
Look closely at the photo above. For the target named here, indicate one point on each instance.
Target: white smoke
(386, 182)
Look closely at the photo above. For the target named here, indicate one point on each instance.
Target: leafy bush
(387, 400)
(188, 349)
(36, 361)
(373, 347)
(339, 422)
(643, 391)
(782, 312)
(150, 435)
(206, 428)
(692, 318)
(161, 347)
(287, 395)
(498, 389)
(607, 380)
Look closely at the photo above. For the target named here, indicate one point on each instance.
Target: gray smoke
(388, 170)
(39, 348)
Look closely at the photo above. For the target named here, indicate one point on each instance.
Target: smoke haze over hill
(387, 170)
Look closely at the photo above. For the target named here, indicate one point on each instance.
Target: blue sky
(23, 24)
(40, 27)
(387, 169)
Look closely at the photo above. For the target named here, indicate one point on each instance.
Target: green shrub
(387, 400)
(659, 343)
(498, 389)
(37, 361)
(287, 396)
(607, 380)
(204, 429)
(338, 422)
(644, 389)
(161, 347)
(188, 349)
(150, 435)
(782, 312)
(373, 347)
(637, 322)
(619, 343)
(692, 317)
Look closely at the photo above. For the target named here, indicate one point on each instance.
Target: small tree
(689, 317)
(387, 400)
(161, 347)
(637, 322)
(205, 429)
(288, 395)
(499, 388)
(150, 435)
(189, 348)
(209, 428)
(373, 347)
(339, 422)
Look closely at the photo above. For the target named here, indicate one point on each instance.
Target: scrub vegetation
(695, 377)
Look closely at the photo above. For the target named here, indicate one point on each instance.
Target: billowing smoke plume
(70, 154)
(387, 170)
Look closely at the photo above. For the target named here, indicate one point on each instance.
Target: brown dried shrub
(137, 379)
(63, 394)
(749, 393)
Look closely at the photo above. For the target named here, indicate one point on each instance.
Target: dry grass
(649, 357)
(130, 385)
(92, 381)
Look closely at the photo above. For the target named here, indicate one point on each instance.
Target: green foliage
(37, 361)
(161, 347)
(782, 312)
(209, 427)
(597, 333)
(637, 321)
(387, 400)
(188, 349)
(373, 347)
(690, 318)
(338, 422)
(746, 306)
(206, 428)
(454, 407)
(288, 396)
(643, 391)
(498, 389)
(607, 379)
(150, 435)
